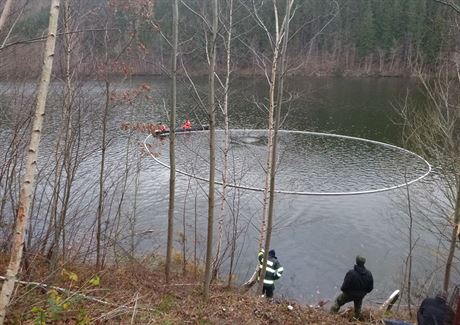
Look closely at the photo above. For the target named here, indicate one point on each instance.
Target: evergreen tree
(366, 36)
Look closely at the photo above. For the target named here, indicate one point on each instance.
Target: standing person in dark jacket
(435, 311)
(358, 282)
(273, 272)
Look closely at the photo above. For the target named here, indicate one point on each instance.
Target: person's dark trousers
(268, 291)
(342, 299)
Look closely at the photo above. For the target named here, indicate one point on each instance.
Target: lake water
(316, 237)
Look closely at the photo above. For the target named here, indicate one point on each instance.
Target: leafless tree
(172, 138)
(212, 149)
(277, 82)
(31, 164)
(434, 132)
(225, 150)
(67, 141)
(274, 68)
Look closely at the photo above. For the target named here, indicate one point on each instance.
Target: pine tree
(366, 37)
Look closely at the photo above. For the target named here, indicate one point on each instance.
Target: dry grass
(134, 289)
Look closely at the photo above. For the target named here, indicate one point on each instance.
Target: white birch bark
(226, 139)
(31, 165)
(280, 72)
(212, 151)
(273, 79)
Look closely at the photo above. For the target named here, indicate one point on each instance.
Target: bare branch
(450, 4)
(43, 38)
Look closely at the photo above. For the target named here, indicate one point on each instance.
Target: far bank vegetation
(366, 38)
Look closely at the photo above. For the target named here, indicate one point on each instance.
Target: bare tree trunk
(226, 89)
(100, 205)
(409, 257)
(172, 141)
(70, 137)
(272, 81)
(66, 135)
(212, 151)
(271, 109)
(454, 238)
(101, 194)
(267, 191)
(195, 239)
(132, 221)
(31, 165)
(184, 230)
(234, 237)
(280, 77)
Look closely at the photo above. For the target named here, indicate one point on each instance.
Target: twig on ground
(134, 309)
(95, 299)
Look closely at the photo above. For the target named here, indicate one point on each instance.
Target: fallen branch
(248, 284)
(91, 298)
(181, 284)
(135, 306)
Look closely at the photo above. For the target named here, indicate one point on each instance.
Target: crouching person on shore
(358, 282)
(435, 311)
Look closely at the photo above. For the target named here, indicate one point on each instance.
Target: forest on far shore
(329, 37)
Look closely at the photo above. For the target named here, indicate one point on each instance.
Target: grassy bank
(135, 293)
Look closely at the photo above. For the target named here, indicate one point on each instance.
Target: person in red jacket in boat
(162, 128)
(187, 124)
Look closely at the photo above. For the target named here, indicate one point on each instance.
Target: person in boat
(435, 311)
(273, 272)
(358, 283)
(162, 128)
(187, 125)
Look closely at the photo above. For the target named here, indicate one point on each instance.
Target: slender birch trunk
(212, 151)
(101, 195)
(172, 140)
(226, 140)
(271, 107)
(31, 165)
(274, 134)
(269, 166)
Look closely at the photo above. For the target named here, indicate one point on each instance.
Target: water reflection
(307, 162)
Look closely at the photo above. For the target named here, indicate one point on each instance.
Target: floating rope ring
(249, 188)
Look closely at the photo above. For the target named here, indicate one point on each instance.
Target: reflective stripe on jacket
(274, 270)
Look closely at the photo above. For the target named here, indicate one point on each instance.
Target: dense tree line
(363, 36)
(357, 36)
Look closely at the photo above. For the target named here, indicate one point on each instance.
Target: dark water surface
(316, 237)
(308, 164)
